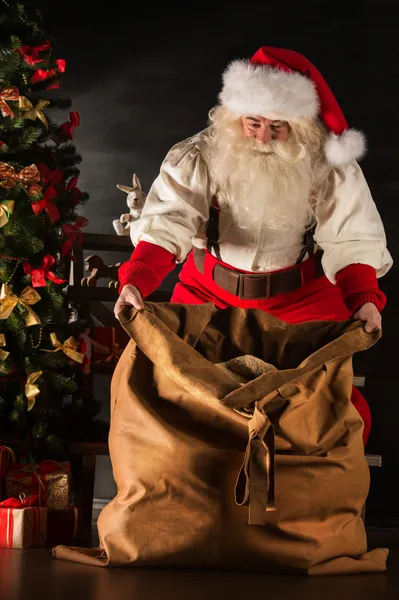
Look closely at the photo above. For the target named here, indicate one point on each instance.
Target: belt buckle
(258, 296)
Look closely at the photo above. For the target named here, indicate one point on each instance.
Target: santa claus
(268, 206)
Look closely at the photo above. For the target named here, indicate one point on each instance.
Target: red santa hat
(283, 84)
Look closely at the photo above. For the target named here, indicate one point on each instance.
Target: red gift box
(22, 525)
(114, 338)
(63, 526)
(49, 480)
(7, 458)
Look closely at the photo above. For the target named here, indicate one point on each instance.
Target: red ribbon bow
(46, 203)
(43, 74)
(74, 235)
(38, 276)
(30, 54)
(68, 127)
(50, 177)
(73, 190)
(18, 503)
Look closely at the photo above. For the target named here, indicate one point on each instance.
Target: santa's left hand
(369, 313)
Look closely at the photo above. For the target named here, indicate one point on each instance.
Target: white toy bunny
(135, 201)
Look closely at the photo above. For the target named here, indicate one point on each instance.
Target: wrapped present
(22, 523)
(63, 526)
(115, 339)
(7, 458)
(49, 480)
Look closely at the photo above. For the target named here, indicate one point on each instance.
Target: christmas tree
(39, 224)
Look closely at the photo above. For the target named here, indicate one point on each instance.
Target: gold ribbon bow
(69, 347)
(3, 353)
(34, 112)
(6, 210)
(7, 94)
(9, 300)
(28, 177)
(31, 389)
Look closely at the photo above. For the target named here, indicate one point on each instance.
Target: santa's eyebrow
(255, 120)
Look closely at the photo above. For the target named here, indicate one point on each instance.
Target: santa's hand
(130, 296)
(369, 313)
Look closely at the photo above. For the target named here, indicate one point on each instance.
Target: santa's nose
(264, 134)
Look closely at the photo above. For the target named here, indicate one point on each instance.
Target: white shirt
(349, 228)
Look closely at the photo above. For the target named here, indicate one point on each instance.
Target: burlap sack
(263, 473)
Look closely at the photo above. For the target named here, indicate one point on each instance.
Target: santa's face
(265, 130)
(263, 169)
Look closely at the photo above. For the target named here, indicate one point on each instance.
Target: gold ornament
(69, 347)
(3, 353)
(28, 177)
(6, 210)
(9, 300)
(31, 390)
(34, 112)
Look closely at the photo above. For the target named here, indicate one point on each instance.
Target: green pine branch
(29, 237)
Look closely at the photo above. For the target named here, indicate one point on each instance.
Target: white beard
(262, 185)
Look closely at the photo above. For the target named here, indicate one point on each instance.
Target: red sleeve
(147, 268)
(359, 285)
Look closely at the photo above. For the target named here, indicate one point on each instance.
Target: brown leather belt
(255, 287)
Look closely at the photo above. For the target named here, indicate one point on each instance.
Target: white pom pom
(343, 149)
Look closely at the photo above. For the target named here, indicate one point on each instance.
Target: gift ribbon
(255, 482)
(30, 54)
(69, 348)
(46, 203)
(31, 389)
(7, 94)
(22, 502)
(116, 351)
(6, 210)
(34, 112)
(39, 275)
(74, 233)
(3, 353)
(27, 177)
(68, 127)
(9, 300)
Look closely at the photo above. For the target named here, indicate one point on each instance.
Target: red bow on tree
(49, 177)
(73, 190)
(67, 128)
(43, 74)
(38, 276)
(46, 203)
(74, 235)
(30, 54)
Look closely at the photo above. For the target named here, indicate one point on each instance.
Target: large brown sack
(181, 434)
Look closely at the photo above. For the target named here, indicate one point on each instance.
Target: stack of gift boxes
(36, 503)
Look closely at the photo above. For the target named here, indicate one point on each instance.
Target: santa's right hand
(129, 296)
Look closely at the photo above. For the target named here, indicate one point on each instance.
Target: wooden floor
(34, 574)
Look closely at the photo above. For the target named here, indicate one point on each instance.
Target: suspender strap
(308, 244)
(212, 230)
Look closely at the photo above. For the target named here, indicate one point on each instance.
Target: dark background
(144, 77)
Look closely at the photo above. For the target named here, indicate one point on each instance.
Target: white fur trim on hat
(344, 148)
(253, 89)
